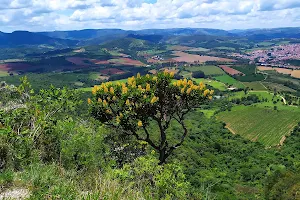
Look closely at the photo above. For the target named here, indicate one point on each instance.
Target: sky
(50, 15)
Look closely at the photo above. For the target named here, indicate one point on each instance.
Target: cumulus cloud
(39, 15)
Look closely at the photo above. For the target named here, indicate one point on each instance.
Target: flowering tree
(132, 106)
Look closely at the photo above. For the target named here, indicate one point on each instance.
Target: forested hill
(99, 36)
(28, 38)
(144, 138)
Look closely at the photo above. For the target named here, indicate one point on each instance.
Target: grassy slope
(261, 124)
(229, 80)
(216, 84)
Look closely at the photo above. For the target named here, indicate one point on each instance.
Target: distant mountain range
(99, 36)
(18, 38)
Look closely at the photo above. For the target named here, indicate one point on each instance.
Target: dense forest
(143, 139)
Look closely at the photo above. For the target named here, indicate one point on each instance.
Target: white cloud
(40, 15)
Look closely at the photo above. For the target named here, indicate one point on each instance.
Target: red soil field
(230, 70)
(191, 58)
(14, 66)
(111, 71)
(99, 62)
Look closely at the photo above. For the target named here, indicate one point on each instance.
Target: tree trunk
(162, 156)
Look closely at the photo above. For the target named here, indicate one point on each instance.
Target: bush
(198, 74)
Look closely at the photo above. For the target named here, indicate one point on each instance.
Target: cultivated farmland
(190, 58)
(264, 125)
(126, 61)
(230, 70)
(293, 73)
(229, 81)
(257, 85)
(207, 69)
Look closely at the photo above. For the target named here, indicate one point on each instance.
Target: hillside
(18, 38)
(73, 137)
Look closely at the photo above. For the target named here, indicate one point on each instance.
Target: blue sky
(49, 15)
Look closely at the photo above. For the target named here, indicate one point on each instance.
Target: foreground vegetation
(52, 148)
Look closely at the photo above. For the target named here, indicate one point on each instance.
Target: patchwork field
(126, 61)
(14, 66)
(293, 73)
(230, 70)
(260, 124)
(179, 48)
(199, 49)
(207, 69)
(229, 81)
(111, 71)
(191, 58)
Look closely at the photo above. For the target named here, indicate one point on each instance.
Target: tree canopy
(144, 100)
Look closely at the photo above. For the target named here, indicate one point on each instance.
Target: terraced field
(208, 70)
(264, 125)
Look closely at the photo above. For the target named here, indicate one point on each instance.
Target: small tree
(132, 106)
(198, 74)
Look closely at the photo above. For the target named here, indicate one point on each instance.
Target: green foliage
(133, 105)
(161, 181)
(50, 146)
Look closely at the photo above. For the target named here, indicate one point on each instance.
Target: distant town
(278, 56)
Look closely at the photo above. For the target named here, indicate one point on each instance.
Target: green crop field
(198, 49)
(229, 81)
(264, 125)
(3, 73)
(255, 86)
(216, 84)
(208, 70)
(266, 43)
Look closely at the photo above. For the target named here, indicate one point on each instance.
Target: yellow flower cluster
(112, 90)
(148, 87)
(124, 89)
(131, 80)
(95, 89)
(140, 123)
(154, 100)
